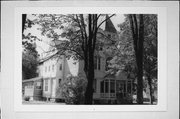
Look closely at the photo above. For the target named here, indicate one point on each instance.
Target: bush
(72, 90)
(125, 100)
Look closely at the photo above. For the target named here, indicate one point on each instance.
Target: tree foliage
(72, 90)
(126, 54)
(29, 53)
(124, 58)
(150, 53)
(29, 61)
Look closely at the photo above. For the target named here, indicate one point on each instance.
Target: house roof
(47, 57)
(44, 59)
(109, 26)
(32, 79)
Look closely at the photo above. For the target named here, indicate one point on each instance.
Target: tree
(29, 61)
(137, 28)
(125, 58)
(80, 32)
(29, 54)
(150, 52)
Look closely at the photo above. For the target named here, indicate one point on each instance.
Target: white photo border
(162, 58)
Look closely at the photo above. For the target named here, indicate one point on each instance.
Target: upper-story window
(45, 69)
(108, 63)
(60, 67)
(49, 68)
(53, 67)
(97, 63)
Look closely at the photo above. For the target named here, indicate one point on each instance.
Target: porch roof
(120, 75)
(32, 79)
(110, 76)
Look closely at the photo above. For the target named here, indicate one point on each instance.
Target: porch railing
(107, 95)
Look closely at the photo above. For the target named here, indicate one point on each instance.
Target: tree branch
(105, 20)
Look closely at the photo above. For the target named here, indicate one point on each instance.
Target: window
(45, 69)
(46, 85)
(60, 67)
(59, 82)
(129, 87)
(53, 67)
(97, 63)
(112, 86)
(102, 86)
(108, 63)
(49, 68)
(106, 87)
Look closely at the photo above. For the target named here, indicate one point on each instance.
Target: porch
(112, 89)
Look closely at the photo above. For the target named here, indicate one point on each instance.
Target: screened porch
(109, 88)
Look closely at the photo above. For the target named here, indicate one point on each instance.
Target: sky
(42, 46)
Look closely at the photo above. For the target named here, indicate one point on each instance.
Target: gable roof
(109, 26)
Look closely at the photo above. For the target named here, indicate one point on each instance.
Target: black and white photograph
(93, 60)
(89, 59)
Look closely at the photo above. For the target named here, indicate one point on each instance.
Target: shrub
(125, 100)
(72, 90)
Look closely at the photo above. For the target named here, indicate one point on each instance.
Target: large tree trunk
(89, 63)
(140, 60)
(89, 49)
(90, 78)
(138, 37)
